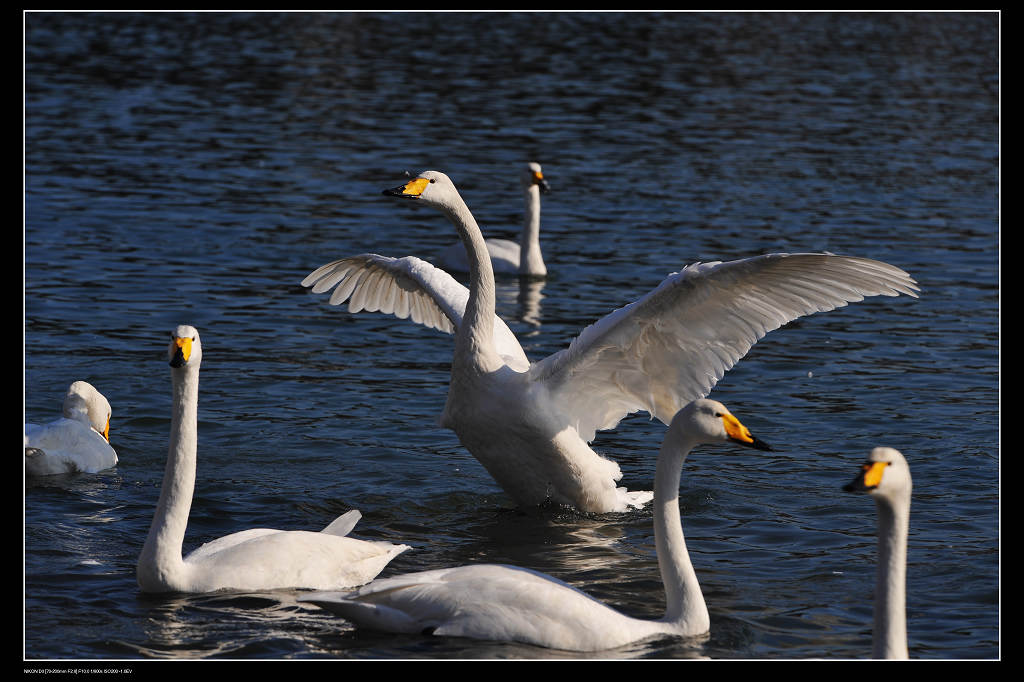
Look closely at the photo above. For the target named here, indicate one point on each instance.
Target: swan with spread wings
(529, 423)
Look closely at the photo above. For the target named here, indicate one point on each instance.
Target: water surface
(193, 168)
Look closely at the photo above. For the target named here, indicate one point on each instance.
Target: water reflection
(529, 302)
(519, 301)
(194, 626)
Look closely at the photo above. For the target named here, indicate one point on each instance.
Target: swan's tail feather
(344, 524)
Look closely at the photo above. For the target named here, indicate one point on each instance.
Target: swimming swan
(77, 442)
(506, 255)
(254, 559)
(506, 603)
(886, 477)
(529, 424)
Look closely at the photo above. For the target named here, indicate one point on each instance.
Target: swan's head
(886, 474)
(185, 349)
(709, 421)
(82, 398)
(532, 176)
(431, 187)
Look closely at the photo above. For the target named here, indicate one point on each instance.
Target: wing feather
(674, 344)
(408, 288)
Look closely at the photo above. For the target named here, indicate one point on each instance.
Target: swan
(529, 424)
(506, 255)
(254, 559)
(77, 442)
(886, 477)
(507, 603)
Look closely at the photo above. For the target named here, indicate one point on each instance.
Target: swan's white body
(507, 603)
(77, 442)
(255, 559)
(529, 423)
(508, 257)
(886, 477)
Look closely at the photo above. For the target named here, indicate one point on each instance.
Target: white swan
(77, 442)
(507, 256)
(886, 477)
(255, 559)
(529, 424)
(507, 603)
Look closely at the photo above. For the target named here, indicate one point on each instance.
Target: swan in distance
(77, 442)
(254, 559)
(508, 257)
(529, 424)
(886, 477)
(507, 603)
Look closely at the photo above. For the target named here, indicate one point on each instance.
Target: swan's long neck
(684, 603)
(160, 563)
(530, 259)
(890, 632)
(474, 340)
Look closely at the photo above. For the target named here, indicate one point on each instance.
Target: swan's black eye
(433, 180)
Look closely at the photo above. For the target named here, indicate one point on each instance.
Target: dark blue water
(193, 168)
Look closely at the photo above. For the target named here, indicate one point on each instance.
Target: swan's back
(262, 558)
(65, 446)
(488, 602)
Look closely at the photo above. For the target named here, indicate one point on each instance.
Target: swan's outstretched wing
(671, 346)
(407, 288)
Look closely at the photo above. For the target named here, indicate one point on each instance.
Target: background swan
(255, 559)
(508, 257)
(886, 477)
(77, 442)
(529, 424)
(507, 603)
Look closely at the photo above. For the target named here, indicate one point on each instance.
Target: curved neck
(531, 262)
(684, 603)
(474, 340)
(78, 413)
(161, 558)
(890, 632)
